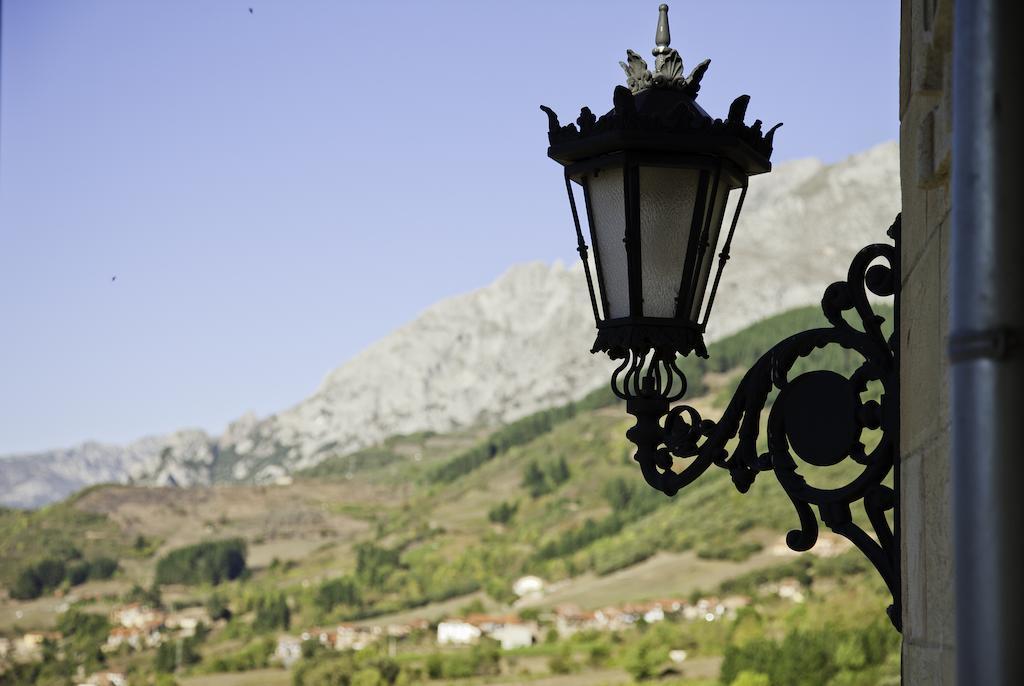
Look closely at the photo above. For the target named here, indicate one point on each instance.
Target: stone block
(937, 200)
(927, 665)
(915, 229)
(921, 354)
(938, 540)
(912, 552)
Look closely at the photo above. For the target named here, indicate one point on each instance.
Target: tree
(50, 572)
(340, 591)
(435, 666)
(166, 660)
(272, 612)
(102, 568)
(643, 661)
(210, 562)
(558, 471)
(618, 492)
(26, 585)
(534, 480)
(374, 564)
(173, 654)
(502, 513)
(84, 633)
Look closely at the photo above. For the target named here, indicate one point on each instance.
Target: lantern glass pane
(608, 211)
(724, 205)
(666, 214)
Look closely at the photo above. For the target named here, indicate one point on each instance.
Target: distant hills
(555, 494)
(428, 527)
(497, 354)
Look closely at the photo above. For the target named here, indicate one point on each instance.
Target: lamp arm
(817, 417)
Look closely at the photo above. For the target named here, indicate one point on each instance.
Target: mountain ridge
(497, 353)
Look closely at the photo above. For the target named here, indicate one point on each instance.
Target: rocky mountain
(501, 352)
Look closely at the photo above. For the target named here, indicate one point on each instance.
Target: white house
(654, 614)
(135, 637)
(288, 650)
(457, 632)
(528, 585)
(137, 616)
(515, 635)
(570, 619)
(351, 637)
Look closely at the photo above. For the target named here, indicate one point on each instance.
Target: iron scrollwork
(817, 417)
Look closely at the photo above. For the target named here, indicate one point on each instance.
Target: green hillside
(432, 526)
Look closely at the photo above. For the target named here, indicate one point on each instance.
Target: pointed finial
(662, 38)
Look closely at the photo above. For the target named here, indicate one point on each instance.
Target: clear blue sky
(276, 190)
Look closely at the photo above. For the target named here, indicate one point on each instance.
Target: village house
(288, 650)
(187, 621)
(137, 615)
(29, 646)
(508, 630)
(787, 589)
(733, 603)
(352, 637)
(325, 637)
(614, 619)
(569, 619)
(135, 637)
(457, 632)
(342, 637)
(515, 634)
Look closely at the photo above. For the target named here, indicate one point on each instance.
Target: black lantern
(662, 185)
(659, 179)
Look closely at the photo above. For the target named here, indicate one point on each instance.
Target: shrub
(217, 608)
(26, 585)
(102, 568)
(560, 661)
(502, 513)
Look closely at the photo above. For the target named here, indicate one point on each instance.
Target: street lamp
(659, 180)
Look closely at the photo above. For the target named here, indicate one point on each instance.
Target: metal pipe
(986, 321)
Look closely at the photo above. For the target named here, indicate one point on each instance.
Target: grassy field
(666, 575)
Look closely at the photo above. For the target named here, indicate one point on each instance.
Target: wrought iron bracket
(818, 418)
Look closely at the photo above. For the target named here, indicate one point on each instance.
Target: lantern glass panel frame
(718, 182)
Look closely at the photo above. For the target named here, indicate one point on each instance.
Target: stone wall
(926, 522)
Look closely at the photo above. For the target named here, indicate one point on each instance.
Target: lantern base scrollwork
(818, 417)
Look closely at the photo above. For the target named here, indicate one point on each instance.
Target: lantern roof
(658, 112)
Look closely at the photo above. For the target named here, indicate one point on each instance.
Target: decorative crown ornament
(668, 65)
(663, 101)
